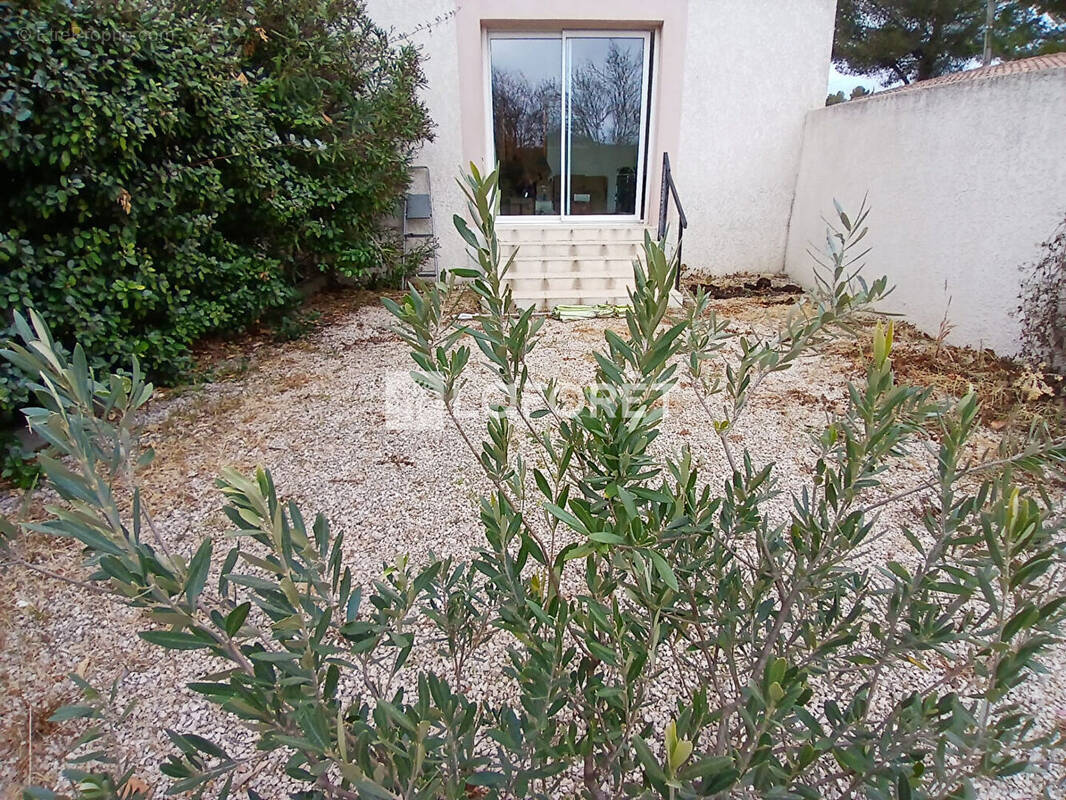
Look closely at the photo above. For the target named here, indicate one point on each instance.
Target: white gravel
(325, 415)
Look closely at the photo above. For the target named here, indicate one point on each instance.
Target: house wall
(731, 121)
(667, 18)
(965, 182)
(742, 115)
(431, 26)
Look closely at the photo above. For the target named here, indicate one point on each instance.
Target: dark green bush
(172, 170)
(326, 77)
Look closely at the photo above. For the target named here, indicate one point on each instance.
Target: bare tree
(605, 104)
(990, 21)
(524, 114)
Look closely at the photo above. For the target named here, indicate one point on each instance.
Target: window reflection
(602, 98)
(604, 123)
(526, 102)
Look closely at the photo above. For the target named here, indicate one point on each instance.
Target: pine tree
(909, 40)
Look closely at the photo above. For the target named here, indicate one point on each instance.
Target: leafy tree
(909, 40)
(324, 73)
(839, 97)
(621, 580)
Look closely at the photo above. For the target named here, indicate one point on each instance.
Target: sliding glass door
(569, 116)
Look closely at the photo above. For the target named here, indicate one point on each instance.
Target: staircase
(564, 264)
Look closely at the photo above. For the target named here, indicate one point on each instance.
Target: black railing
(669, 190)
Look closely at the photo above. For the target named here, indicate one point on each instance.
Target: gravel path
(327, 416)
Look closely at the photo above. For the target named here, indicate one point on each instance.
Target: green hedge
(171, 170)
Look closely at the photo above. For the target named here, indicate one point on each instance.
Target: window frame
(563, 35)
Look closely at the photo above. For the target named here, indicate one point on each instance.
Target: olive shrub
(614, 576)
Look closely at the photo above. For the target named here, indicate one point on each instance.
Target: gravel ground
(330, 416)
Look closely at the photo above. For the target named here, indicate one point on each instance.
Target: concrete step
(582, 275)
(559, 295)
(573, 266)
(563, 233)
(570, 288)
(572, 299)
(548, 300)
(557, 250)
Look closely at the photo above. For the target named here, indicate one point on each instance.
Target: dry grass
(33, 695)
(923, 360)
(949, 370)
(33, 725)
(196, 435)
(229, 357)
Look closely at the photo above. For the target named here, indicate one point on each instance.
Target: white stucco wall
(753, 69)
(730, 115)
(965, 181)
(431, 26)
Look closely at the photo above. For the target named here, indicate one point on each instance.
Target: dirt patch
(753, 286)
(802, 397)
(34, 726)
(227, 357)
(1010, 393)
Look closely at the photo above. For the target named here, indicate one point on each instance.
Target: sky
(845, 83)
(540, 60)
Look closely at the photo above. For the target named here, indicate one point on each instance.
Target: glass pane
(606, 96)
(526, 112)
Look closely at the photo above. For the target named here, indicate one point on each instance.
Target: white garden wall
(966, 180)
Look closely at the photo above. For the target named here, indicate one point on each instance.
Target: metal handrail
(669, 189)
